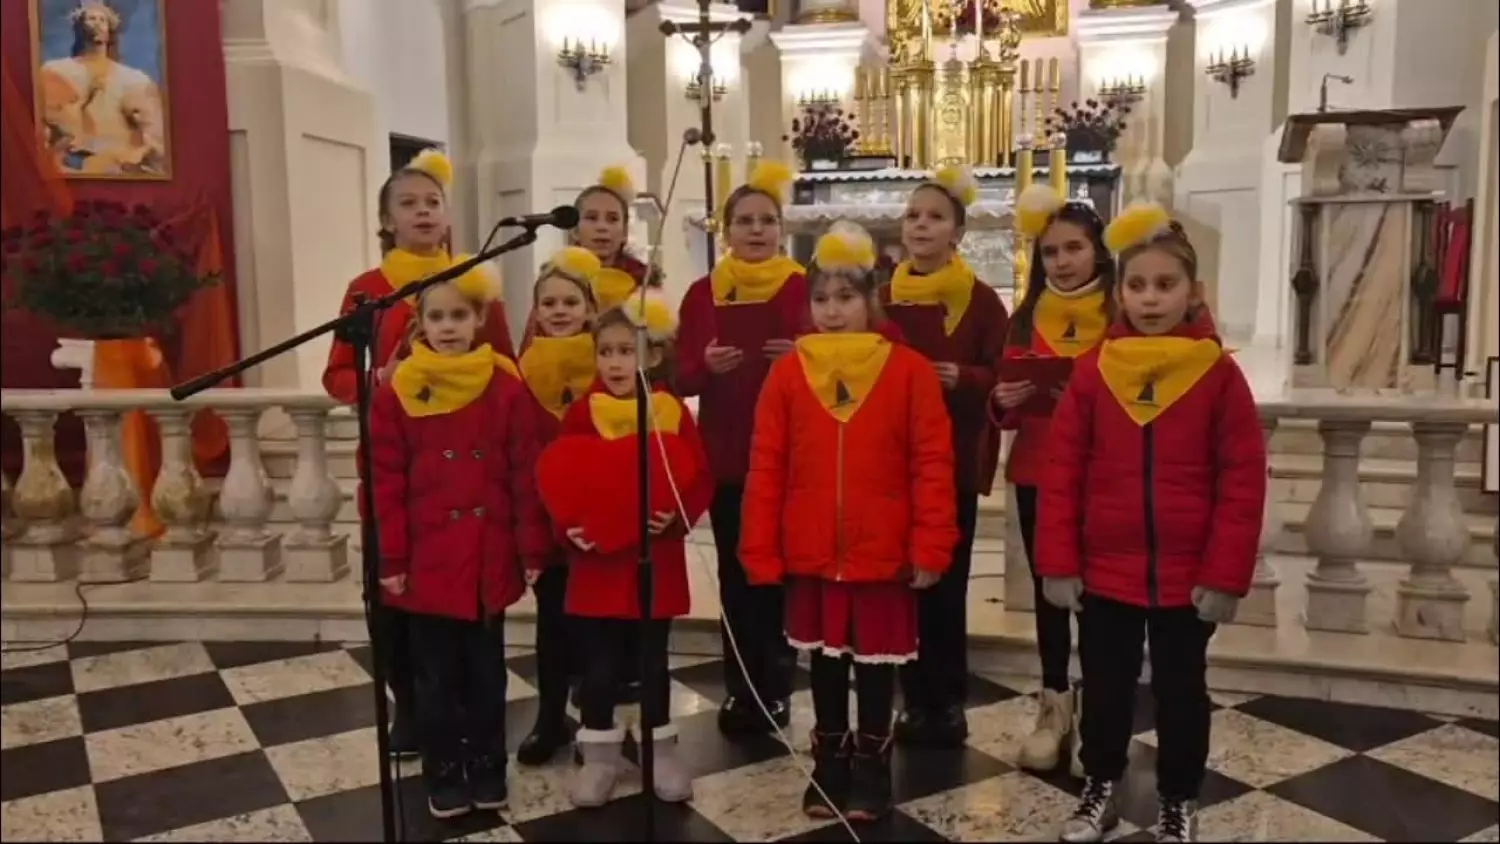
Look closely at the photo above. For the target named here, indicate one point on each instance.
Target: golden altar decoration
(926, 113)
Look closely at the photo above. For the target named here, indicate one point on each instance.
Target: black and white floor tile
(276, 742)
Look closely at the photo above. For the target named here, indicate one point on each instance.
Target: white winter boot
(594, 781)
(674, 780)
(1043, 749)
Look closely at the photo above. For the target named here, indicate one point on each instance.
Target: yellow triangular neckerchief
(430, 384)
(1147, 375)
(612, 286)
(841, 369)
(614, 418)
(737, 282)
(401, 267)
(558, 370)
(952, 286)
(1070, 321)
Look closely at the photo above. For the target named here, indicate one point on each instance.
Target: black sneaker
(912, 727)
(543, 743)
(1177, 821)
(948, 727)
(781, 713)
(831, 772)
(738, 717)
(869, 779)
(447, 791)
(487, 789)
(403, 738)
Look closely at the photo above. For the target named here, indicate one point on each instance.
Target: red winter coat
(456, 501)
(580, 465)
(727, 402)
(1144, 513)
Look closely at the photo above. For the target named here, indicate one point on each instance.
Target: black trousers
(461, 678)
(395, 628)
(939, 677)
(603, 644)
(756, 613)
(1054, 633)
(556, 661)
(874, 694)
(1113, 635)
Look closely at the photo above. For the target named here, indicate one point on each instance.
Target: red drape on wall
(198, 193)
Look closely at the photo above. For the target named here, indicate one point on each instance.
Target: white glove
(1213, 606)
(1065, 593)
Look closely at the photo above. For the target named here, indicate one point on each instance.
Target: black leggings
(754, 612)
(874, 691)
(556, 655)
(605, 643)
(1054, 636)
(938, 679)
(400, 677)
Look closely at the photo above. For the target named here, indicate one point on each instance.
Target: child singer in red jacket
(850, 503)
(557, 366)
(414, 232)
(588, 480)
(1150, 518)
(454, 455)
(1069, 303)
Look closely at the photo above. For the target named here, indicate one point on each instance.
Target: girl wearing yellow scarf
(958, 322)
(734, 322)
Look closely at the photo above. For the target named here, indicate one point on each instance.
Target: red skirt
(873, 622)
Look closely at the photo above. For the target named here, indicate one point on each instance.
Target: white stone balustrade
(52, 534)
(1259, 606)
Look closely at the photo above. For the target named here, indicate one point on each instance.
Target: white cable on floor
(781, 736)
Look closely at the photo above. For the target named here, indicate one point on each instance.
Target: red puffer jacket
(1145, 512)
(456, 501)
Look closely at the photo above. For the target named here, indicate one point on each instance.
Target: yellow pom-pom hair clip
(1138, 223)
(481, 284)
(651, 311)
(617, 181)
(1035, 208)
(433, 163)
(577, 262)
(773, 179)
(959, 182)
(845, 247)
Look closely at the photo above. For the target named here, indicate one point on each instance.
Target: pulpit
(1364, 272)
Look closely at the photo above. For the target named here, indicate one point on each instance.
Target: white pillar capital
(1124, 25)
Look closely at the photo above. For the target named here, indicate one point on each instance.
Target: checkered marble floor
(274, 742)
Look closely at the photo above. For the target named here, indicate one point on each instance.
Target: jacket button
(478, 454)
(448, 454)
(479, 511)
(454, 514)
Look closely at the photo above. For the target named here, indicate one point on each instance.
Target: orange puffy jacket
(862, 501)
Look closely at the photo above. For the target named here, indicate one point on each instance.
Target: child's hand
(532, 576)
(660, 521)
(948, 374)
(1065, 593)
(721, 359)
(1009, 395)
(395, 585)
(1213, 606)
(575, 535)
(922, 578)
(774, 349)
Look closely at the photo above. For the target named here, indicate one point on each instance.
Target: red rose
(122, 250)
(111, 270)
(29, 263)
(84, 210)
(72, 236)
(148, 266)
(41, 240)
(75, 263)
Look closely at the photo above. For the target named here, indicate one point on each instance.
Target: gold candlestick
(753, 153)
(1020, 246)
(1057, 164)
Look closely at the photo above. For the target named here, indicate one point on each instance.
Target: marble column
(1339, 533)
(313, 552)
(10, 526)
(306, 160)
(1217, 192)
(660, 70)
(1434, 536)
(248, 552)
(45, 551)
(182, 552)
(1258, 609)
(536, 149)
(1129, 44)
(1484, 275)
(107, 501)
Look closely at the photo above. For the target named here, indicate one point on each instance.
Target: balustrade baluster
(1020, 594)
(314, 553)
(181, 553)
(46, 549)
(248, 552)
(1339, 533)
(1259, 607)
(10, 526)
(1434, 536)
(108, 500)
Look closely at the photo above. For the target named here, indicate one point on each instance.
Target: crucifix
(702, 34)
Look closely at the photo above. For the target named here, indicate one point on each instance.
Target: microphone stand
(357, 328)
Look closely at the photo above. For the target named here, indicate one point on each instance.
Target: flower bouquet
(1092, 129)
(823, 137)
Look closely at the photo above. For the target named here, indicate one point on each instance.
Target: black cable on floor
(83, 617)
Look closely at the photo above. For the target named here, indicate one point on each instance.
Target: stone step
(1386, 441)
(1481, 553)
(1383, 482)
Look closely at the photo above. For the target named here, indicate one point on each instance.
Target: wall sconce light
(1124, 91)
(825, 98)
(583, 60)
(1231, 69)
(694, 90)
(1339, 22)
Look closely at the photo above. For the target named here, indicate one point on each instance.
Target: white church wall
(395, 48)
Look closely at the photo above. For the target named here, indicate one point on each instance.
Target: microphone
(562, 217)
(694, 135)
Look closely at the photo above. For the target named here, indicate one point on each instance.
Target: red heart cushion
(591, 483)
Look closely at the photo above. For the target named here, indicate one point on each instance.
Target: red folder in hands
(748, 327)
(922, 327)
(1047, 373)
